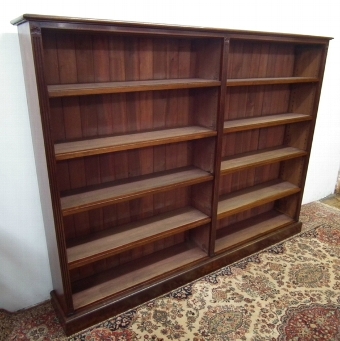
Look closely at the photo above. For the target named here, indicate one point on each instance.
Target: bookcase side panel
(30, 44)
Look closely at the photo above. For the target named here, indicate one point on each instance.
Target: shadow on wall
(337, 187)
(25, 276)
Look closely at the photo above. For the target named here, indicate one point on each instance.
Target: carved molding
(35, 30)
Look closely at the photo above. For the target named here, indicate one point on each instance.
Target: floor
(332, 200)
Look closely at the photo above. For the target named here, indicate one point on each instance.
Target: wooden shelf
(245, 231)
(270, 81)
(63, 90)
(254, 196)
(129, 276)
(70, 150)
(107, 243)
(259, 158)
(263, 121)
(127, 190)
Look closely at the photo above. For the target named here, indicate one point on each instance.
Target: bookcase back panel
(256, 59)
(251, 140)
(228, 222)
(302, 99)
(236, 181)
(248, 101)
(260, 59)
(77, 118)
(86, 58)
(101, 169)
(96, 116)
(86, 223)
(308, 60)
(103, 269)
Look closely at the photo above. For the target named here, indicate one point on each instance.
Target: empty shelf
(263, 121)
(259, 158)
(254, 196)
(137, 187)
(245, 231)
(63, 90)
(69, 150)
(130, 276)
(107, 243)
(270, 80)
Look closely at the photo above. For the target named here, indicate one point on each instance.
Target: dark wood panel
(254, 196)
(249, 229)
(147, 269)
(76, 173)
(132, 189)
(71, 150)
(256, 101)
(258, 158)
(270, 81)
(160, 58)
(260, 59)
(104, 244)
(264, 121)
(84, 89)
(106, 115)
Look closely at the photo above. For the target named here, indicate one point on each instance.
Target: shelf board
(130, 276)
(108, 243)
(259, 158)
(82, 89)
(263, 122)
(245, 231)
(270, 80)
(254, 196)
(131, 189)
(70, 150)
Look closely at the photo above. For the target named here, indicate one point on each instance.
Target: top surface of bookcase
(242, 34)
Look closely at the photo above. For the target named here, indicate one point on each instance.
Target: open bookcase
(163, 152)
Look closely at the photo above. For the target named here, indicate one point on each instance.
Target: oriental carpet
(290, 291)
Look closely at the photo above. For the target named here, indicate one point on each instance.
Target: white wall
(25, 277)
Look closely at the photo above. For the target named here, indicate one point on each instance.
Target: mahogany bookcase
(163, 152)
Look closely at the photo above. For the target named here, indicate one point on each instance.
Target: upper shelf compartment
(83, 64)
(260, 63)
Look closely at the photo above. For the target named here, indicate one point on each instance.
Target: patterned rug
(290, 291)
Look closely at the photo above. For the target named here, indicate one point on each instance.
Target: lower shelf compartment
(135, 274)
(254, 196)
(107, 243)
(245, 231)
(87, 315)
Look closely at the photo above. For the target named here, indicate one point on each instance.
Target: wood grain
(264, 121)
(145, 270)
(83, 89)
(259, 158)
(70, 150)
(132, 189)
(108, 243)
(245, 231)
(270, 81)
(254, 196)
